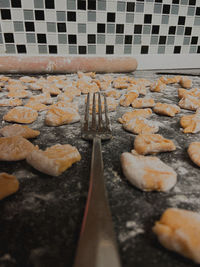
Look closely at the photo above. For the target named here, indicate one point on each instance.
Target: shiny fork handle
(97, 245)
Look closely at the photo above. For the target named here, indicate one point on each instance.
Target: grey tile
(51, 26)
(121, 6)
(10, 49)
(81, 28)
(18, 26)
(165, 19)
(139, 7)
(119, 39)
(1, 39)
(180, 30)
(91, 16)
(184, 2)
(129, 18)
(170, 40)
(157, 8)
(110, 28)
(61, 15)
(146, 29)
(28, 15)
(38, 3)
(101, 5)
(197, 21)
(137, 39)
(191, 11)
(161, 49)
(72, 49)
(149, 0)
(62, 38)
(101, 38)
(30, 37)
(193, 49)
(174, 9)
(127, 49)
(0, 28)
(4, 3)
(186, 40)
(42, 49)
(91, 49)
(71, 4)
(154, 39)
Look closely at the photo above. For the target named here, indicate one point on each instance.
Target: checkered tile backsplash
(99, 27)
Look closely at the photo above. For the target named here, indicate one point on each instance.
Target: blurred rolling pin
(68, 64)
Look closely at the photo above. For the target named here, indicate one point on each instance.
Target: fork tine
(86, 123)
(107, 121)
(94, 113)
(99, 112)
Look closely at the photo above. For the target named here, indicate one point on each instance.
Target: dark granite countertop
(40, 224)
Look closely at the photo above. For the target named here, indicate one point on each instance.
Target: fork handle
(97, 245)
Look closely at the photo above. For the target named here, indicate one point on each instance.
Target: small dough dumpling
(55, 159)
(143, 103)
(21, 115)
(189, 102)
(8, 185)
(179, 230)
(191, 123)
(113, 93)
(166, 109)
(128, 98)
(157, 86)
(152, 143)
(19, 94)
(44, 98)
(192, 92)
(11, 102)
(141, 125)
(36, 106)
(148, 173)
(20, 130)
(129, 115)
(194, 152)
(185, 82)
(27, 79)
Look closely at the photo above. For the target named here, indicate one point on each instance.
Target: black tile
(158, 1)
(91, 38)
(128, 39)
(162, 40)
(137, 28)
(9, 37)
(192, 2)
(177, 49)
(101, 28)
(21, 49)
(29, 26)
(5, 14)
(181, 20)
(39, 14)
(16, 3)
(130, 7)
(166, 9)
(144, 49)
(53, 49)
(81, 4)
(120, 28)
(175, 1)
(49, 4)
(72, 39)
(71, 16)
(198, 11)
(155, 29)
(41, 38)
(172, 30)
(92, 4)
(198, 49)
(110, 17)
(82, 49)
(188, 30)
(147, 18)
(110, 49)
(61, 27)
(194, 40)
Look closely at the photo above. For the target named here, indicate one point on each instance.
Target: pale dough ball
(8, 185)
(194, 152)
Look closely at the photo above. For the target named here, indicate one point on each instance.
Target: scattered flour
(133, 230)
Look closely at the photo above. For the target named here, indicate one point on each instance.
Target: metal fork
(97, 245)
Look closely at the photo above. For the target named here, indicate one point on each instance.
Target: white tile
(111, 6)
(173, 20)
(27, 4)
(2, 49)
(101, 17)
(182, 10)
(52, 39)
(153, 49)
(32, 49)
(189, 21)
(179, 40)
(120, 18)
(72, 28)
(148, 8)
(164, 30)
(50, 15)
(185, 49)
(136, 49)
(119, 50)
(17, 14)
(7, 26)
(81, 16)
(91, 27)
(82, 39)
(146, 40)
(196, 30)
(128, 29)
(63, 49)
(40, 27)
(60, 4)
(138, 18)
(110, 39)
(101, 50)
(169, 49)
(20, 38)
(156, 19)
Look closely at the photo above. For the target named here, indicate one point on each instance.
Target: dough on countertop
(194, 152)
(140, 125)
(191, 123)
(20, 130)
(128, 98)
(185, 82)
(129, 115)
(21, 115)
(189, 102)
(8, 185)
(179, 230)
(166, 109)
(143, 103)
(11, 102)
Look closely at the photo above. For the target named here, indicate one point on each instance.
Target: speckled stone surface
(40, 224)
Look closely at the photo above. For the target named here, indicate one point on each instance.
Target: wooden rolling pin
(68, 64)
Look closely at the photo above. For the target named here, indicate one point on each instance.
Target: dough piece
(194, 152)
(11, 102)
(105, 85)
(36, 106)
(42, 98)
(145, 113)
(86, 87)
(18, 94)
(27, 79)
(143, 103)
(192, 92)
(191, 123)
(54, 160)
(61, 84)
(189, 102)
(148, 173)
(15, 148)
(51, 89)
(113, 93)
(128, 98)
(20, 130)
(144, 82)
(35, 86)
(121, 82)
(21, 115)
(138, 88)
(152, 143)
(63, 105)
(166, 109)
(88, 74)
(4, 78)
(57, 116)
(71, 91)
(16, 86)
(111, 104)
(185, 82)
(179, 230)
(8, 185)
(140, 125)
(63, 97)
(157, 86)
